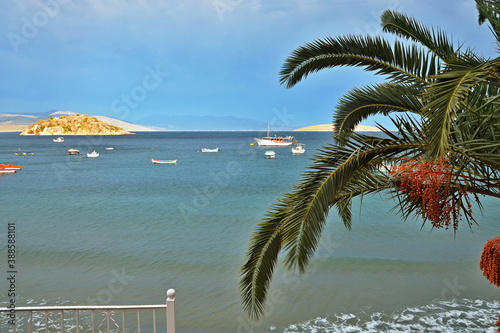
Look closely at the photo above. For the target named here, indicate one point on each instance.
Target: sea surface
(118, 229)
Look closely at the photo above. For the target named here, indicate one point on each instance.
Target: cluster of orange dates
(439, 196)
(490, 261)
(490, 264)
(429, 184)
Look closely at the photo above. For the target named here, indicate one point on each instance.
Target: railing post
(170, 311)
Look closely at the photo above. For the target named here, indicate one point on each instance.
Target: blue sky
(131, 59)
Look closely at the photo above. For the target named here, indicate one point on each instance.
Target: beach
(12, 128)
(329, 128)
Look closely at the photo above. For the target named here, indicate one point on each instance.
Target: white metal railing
(41, 319)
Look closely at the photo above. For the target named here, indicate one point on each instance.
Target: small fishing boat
(298, 148)
(109, 148)
(270, 154)
(10, 166)
(59, 139)
(73, 151)
(209, 150)
(163, 161)
(93, 154)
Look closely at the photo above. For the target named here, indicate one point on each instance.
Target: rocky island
(73, 125)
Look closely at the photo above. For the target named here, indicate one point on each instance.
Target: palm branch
(295, 222)
(407, 27)
(361, 103)
(448, 96)
(399, 62)
(489, 10)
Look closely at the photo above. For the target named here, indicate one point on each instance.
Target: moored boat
(163, 161)
(275, 141)
(73, 151)
(109, 148)
(59, 139)
(209, 150)
(10, 166)
(93, 154)
(270, 154)
(298, 148)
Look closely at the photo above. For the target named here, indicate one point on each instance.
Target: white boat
(73, 151)
(59, 139)
(163, 161)
(270, 154)
(93, 154)
(109, 148)
(298, 148)
(275, 141)
(209, 150)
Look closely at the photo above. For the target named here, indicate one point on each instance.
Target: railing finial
(171, 293)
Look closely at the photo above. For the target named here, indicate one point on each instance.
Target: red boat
(163, 161)
(10, 167)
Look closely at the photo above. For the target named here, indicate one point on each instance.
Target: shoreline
(12, 128)
(329, 128)
(314, 128)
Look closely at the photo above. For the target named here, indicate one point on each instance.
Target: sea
(119, 230)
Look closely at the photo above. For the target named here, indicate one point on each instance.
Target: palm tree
(443, 101)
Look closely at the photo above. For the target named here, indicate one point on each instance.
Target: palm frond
(361, 103)
(258, 269)
(489, 10)
(407, 27)
(296, 221)
(447, 97)
(398, 61)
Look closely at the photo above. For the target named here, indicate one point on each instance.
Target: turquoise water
(81, 221)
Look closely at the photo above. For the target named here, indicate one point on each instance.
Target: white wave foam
(457, 316)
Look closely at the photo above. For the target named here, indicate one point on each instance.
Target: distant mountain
(28, 119)
(19, 119)
(206, 123)
(158, 122)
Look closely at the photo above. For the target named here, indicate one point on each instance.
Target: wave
(455, 316)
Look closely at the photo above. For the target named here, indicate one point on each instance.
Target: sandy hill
(12, 128)
(127, 126)
(73, 125)
(329, 128)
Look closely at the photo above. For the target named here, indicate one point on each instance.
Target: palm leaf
(361, 103)
(407, 27)
(397, 61)
(447, 97)
(295, 223)
(489, 10)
